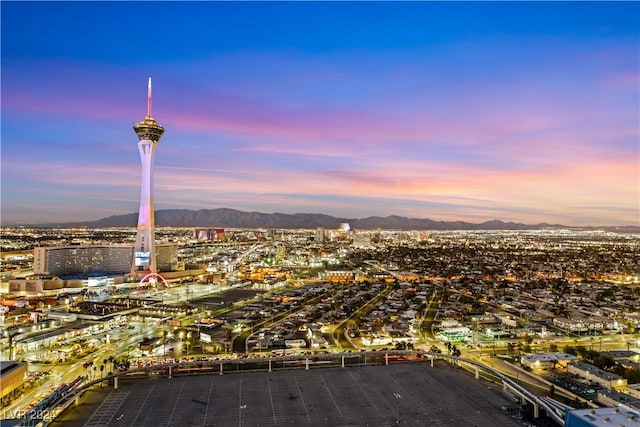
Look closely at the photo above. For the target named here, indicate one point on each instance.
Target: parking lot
(413, 394)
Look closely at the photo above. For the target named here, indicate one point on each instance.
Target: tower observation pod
(144, 251)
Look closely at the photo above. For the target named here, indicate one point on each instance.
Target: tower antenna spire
(149, 99)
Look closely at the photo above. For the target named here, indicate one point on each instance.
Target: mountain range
(231, 218)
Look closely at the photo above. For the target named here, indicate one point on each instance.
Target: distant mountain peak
(233, 218)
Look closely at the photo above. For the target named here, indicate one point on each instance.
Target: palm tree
(104, 364)
(87, 367)
(455, 351)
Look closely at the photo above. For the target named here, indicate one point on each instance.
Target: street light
(242, 407)
(398, 397)
(12, 339)
(164, 344)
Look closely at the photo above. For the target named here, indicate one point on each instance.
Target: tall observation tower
(144, 252)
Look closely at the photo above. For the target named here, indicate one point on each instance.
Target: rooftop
(619, 416)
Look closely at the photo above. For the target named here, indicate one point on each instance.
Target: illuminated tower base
(144, 251)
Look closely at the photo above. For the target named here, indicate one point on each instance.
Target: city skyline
(524, 112)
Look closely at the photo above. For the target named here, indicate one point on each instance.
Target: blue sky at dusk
(519, 111)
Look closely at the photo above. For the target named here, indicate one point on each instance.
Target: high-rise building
(82, 260)
(204, 234)
(144, 254)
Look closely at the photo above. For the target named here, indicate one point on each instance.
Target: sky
(471, 111)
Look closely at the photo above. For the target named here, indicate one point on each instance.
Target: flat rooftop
(413, 394)
(603, 417)
(549, 357)
(7, 366)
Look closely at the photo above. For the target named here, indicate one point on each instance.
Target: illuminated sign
(141, 258)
